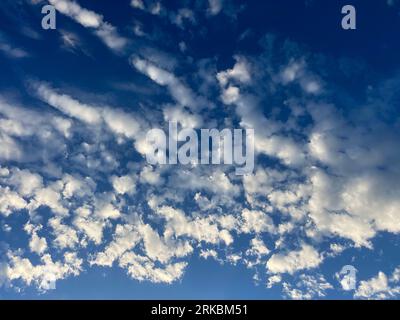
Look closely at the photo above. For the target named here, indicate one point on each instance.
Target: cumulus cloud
(215, 6)
(182, 94)
(74, 173)
(308, 287)
(44, 274)
(377, 287)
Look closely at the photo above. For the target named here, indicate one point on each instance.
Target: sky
(84, 215)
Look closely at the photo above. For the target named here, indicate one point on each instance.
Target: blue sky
(83, 215)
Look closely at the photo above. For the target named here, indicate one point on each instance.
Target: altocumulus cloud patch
(78, 196)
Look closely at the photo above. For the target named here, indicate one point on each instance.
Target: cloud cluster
(73, 171)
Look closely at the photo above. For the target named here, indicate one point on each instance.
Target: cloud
(90, 19)
(124, 184)
(200, 229)
(308, 287)
(137, 4)
(142, 268)
(215, 6)
(240, 73)
(10, 201)
(183, 95)
(305, 258)
(376, 288)
(118, 121)
(13, 52)
(256, 222)
(68, 105)
(38, 244)
(44, 273)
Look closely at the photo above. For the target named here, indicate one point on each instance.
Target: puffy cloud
(49, 197)
(273, 280)
(329, 180)
(215, 6)
(108, 211)
(38, 244)
(375, 288)
(216, 182)
(308, 287)
(256, 222)
(159, 249)
(151, 176)
(119, 122)
(240, 72)
(124, 185)
(257, 248)
(137, 4)
(10, 201)
(64, 235)
(25, 181)
(230, 95)
(200, 229)
(89, 225)
(125, 238)
(305, 258)
(44, 275)
(142, 268)
(9, 148)
(182, 117)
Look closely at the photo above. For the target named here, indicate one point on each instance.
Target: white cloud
(273, 280)
(108, 211)
(25, 181)
(65, 236)
(121, 123)
(182, 117)
(44, 273)
(240, 72)
(142, 268)
(305, 258)
(151, 176)
(256, 222)
(37, 244)
(375, 288)
(125, 238)
(9, 148)
(215, 6)
(89, 225)
(307, 288)
(91, 19)
(10, 201)
(257, 248)
(124, 185)
(50, 197)
(137, 4)
(200, 229)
